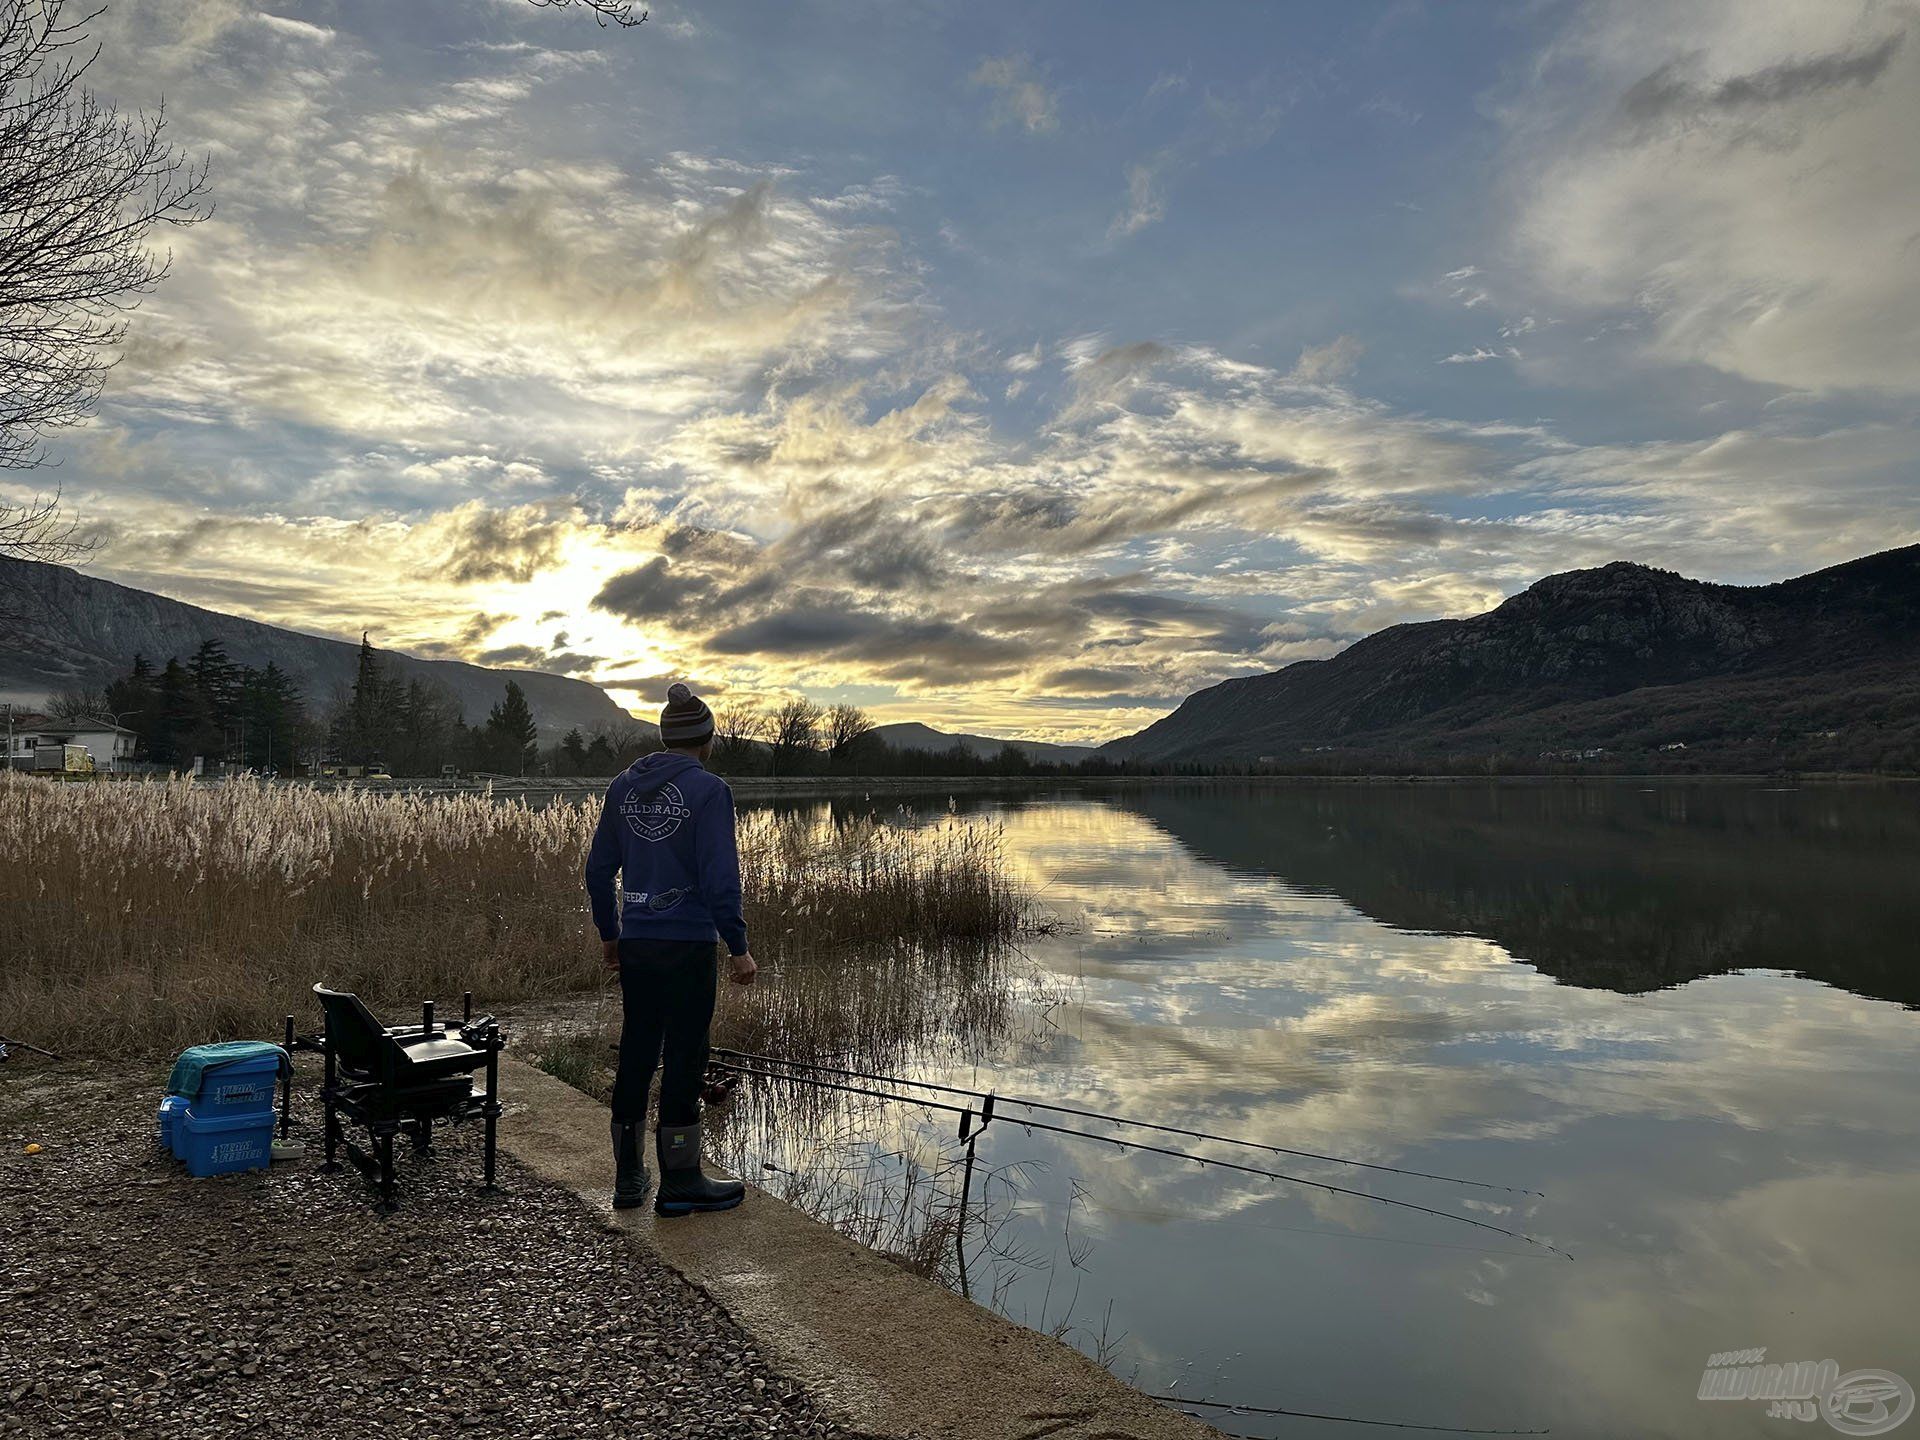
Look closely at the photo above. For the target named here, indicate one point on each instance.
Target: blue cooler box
(168, 1121)
(222, 1144)
(239, 1087)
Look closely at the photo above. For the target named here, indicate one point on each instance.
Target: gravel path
(136, 1301)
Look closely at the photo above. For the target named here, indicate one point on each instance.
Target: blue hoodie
(667, 827)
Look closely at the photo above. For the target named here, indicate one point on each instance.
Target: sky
(1015, 368)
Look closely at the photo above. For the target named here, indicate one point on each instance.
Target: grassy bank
(148, 915)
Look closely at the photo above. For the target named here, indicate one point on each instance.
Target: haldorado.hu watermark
(1860, 1402)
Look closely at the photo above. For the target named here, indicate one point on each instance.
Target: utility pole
(113, 760)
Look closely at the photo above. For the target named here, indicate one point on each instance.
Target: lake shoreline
(812, 1301)
(756, 787)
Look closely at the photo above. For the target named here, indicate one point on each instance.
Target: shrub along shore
(142, 916)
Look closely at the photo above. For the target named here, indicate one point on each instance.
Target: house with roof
(110, 745)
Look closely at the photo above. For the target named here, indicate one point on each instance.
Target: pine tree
(601, 759)
(184, 725)
(219, 682)
(370, 725)
(276, 717)
(511, 732)
(573, 752)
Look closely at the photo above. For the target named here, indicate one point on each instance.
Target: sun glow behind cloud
(484, 353)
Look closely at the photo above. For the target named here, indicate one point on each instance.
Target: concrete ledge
(884, 1350)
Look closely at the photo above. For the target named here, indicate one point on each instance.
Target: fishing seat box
(239, 1087)
(228, 1126)
(223, 1144)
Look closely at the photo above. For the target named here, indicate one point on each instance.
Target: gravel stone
(136, 1301)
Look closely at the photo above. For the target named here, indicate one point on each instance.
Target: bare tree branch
(607, 12)
(37, 530)
(82, 187)
(845, 724)
(796, 729)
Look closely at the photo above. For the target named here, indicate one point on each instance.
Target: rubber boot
(684, 1187)
(629, 1166)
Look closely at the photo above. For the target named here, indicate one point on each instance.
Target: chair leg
(330, 1079)
(332, 1167)
(384, 1145)
(286, 1085)
(492, 1108)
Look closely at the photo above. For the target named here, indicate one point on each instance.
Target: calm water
(1682, 1012)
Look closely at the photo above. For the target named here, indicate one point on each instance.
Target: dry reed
(142, 915)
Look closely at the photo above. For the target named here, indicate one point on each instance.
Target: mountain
(924, 737)
(61, 630)
(1816, 671)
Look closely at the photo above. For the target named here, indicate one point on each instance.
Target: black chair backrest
(359, 1041)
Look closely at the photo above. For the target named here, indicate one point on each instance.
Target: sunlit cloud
(1740, 175)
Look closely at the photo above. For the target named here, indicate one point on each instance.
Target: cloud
(1740, 176)
(900, 649)
(486, 544)
(1465, 285)
(1669, 91)
(1026, 361)
(1168, 83)
(1144, 203)
(652, 591)
(1329, 363)
(1092, 680)
(1108, 374)
(386, 265)
(1222, 121)
(1020, 95)
(520, 656)
(539, 657)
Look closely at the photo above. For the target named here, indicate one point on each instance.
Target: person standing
(667, 827)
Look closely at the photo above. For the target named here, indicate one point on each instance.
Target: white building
(110, 745)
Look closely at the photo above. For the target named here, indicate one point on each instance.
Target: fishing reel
(718, 1085)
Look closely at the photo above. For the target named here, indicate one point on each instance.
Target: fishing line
(1201, 1160)
(1136, 1124)
(1343, 1419)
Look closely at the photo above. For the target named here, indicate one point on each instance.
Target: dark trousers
(666, 998)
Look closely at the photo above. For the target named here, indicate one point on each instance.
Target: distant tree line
(415, 727)
(208, 707)
(258, 718)
(801, 737)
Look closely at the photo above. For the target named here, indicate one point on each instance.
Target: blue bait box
(222, 1144)
(240, 1087)
(167, 1123)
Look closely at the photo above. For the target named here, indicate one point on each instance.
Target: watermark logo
(1860, 1402)
(1867, 1402)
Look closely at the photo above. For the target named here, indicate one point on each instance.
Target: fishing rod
(1326, 1186)
(1136, 1124)
(1343, 1419)
(8, 1041)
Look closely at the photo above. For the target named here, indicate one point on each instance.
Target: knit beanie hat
(685, 718)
